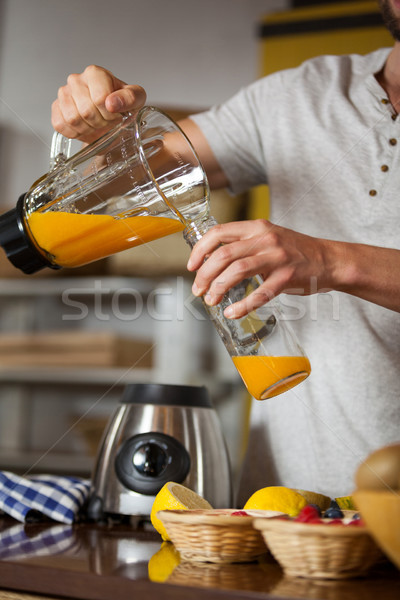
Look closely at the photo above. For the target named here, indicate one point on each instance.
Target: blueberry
(333, 513)
(356, 517)
(334, 504)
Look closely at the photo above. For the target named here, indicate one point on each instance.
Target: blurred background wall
(186, 53)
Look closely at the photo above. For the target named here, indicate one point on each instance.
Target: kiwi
(315, 498)
(381, 470)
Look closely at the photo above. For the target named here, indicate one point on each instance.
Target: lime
(315, 498)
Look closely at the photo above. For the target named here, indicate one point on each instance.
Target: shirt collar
(374, 88)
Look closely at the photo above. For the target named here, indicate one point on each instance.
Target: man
(325, 137)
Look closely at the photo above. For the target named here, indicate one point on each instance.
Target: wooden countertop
(96, 562)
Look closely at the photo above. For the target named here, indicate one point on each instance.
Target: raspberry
(317, 508)
(316, 520)
(357, 523)
(335, 522)
(239, 513)
(308, 514)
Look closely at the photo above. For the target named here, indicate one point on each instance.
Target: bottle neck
(195, 231)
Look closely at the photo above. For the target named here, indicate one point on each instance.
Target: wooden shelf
(46, 462)
(75, 376)
(182, 350)
(84, 285)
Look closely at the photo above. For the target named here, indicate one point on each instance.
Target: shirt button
(373, 192)
(392, 141)
(394, 117)
(384, 168)
(385, 101)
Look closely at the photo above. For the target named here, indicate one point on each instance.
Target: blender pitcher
(138, 182)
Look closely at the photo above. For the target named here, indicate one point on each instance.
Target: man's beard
(392, 23)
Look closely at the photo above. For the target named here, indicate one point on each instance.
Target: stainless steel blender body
(160, 433)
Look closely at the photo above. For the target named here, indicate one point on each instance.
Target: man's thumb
(129, 97)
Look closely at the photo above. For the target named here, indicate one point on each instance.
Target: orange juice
(75, 239)
(268, 376)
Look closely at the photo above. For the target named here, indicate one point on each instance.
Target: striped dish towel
(58, 498)
(15, 542)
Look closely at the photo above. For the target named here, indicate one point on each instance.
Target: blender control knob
(150, 459)
(146, 461)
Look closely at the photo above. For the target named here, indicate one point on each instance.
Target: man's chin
(391, 17)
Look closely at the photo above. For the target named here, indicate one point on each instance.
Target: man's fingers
(226, 233)
(128, 98)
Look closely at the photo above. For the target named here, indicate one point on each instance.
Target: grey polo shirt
(326, 140)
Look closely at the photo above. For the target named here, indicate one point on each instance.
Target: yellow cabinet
(289, 38)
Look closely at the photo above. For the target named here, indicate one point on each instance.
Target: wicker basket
(257, 576)
(213, 535)
(319, 550)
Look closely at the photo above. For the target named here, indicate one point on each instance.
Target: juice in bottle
(261, 344)
(268, 376)
(74, 239)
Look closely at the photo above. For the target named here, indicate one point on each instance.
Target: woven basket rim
(220, 517)
(310, 529)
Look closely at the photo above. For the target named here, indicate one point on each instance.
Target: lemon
(314, 498)
(174, 496)
(278, 498)
(346, 503)
(163, 562)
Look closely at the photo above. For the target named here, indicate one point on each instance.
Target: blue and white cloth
(57, 497)
(15, 542)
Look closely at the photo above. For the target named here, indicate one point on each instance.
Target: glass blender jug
(138, 182)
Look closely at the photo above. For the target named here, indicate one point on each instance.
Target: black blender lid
(167, 395)
(16, 243)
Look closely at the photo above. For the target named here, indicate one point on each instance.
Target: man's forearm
(369, 272)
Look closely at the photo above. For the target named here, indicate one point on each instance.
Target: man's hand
(288, 262)
(292, 263)
(92, 102)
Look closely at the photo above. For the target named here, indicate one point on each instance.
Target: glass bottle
(262, 345)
